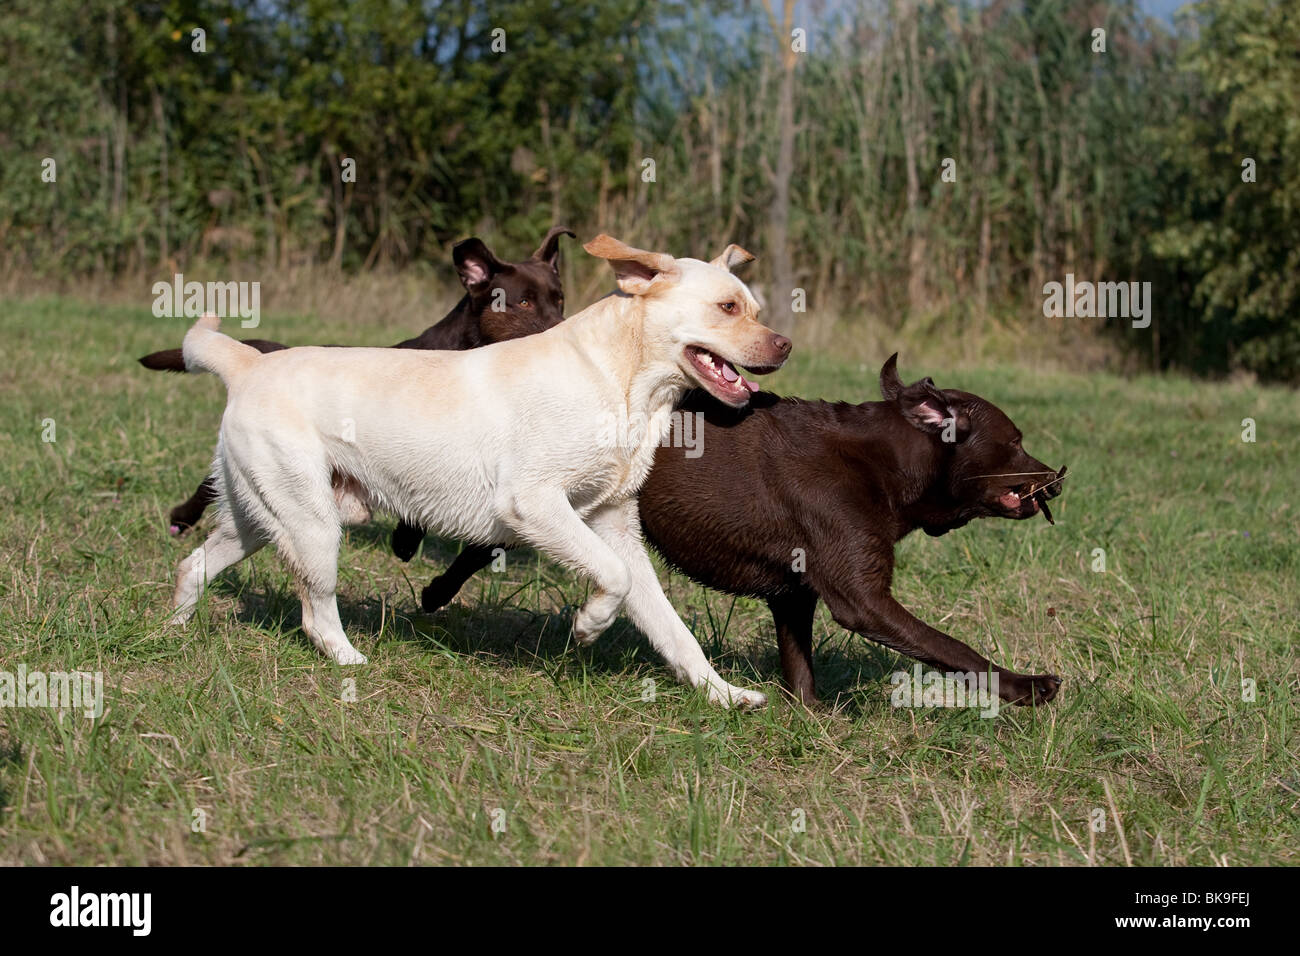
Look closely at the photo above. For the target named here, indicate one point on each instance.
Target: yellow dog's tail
(207, 350)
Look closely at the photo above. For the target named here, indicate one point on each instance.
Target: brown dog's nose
(782, 344)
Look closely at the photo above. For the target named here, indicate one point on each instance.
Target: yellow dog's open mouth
(720, 376)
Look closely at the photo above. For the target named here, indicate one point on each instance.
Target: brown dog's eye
(728, 307)
(525, 304)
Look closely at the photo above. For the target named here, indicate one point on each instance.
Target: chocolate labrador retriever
(794, 501)
(503, 300)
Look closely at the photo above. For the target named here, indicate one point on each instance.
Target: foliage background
(1123, 165)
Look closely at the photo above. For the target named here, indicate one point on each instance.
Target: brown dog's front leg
(878, 616)
(472, 559)
(793, 616)
(187, 514)
(406, 540)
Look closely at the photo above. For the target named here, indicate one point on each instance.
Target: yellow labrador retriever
(543, 441)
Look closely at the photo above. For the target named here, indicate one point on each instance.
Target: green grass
(486, 707)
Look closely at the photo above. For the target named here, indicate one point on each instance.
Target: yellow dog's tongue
(731, 375)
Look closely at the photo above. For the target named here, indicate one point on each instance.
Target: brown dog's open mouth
(720, 377)
(1030, 498)
(1014, 501)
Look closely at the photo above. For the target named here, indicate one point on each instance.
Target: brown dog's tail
(207, 350)
(173, 360)
(168, 360)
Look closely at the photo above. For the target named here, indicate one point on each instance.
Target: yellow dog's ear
(731, 257)
(638, 272)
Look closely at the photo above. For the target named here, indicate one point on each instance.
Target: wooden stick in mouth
(1036, 492)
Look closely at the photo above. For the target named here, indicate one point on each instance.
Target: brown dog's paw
(1031, 690)
(436, 596)
(181, 521)
(406, 541)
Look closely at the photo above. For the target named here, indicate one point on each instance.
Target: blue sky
(1161, 8)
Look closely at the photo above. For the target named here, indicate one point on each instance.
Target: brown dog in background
(503, 300)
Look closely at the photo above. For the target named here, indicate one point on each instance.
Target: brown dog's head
(512, 299)
(988, 473)
(699, 314)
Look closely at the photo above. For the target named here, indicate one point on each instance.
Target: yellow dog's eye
(728, 307)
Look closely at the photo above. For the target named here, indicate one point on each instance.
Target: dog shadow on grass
(496, 631)
(853, 675)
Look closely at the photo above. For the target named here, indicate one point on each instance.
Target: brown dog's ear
(731, 257)
(549, 250)
(475, 264)
(928, 409)
(637, 271)
(891, 386)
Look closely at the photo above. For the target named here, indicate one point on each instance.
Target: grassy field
(479, 735)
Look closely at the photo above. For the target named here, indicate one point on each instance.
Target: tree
(1234, 190)
(783, 280)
